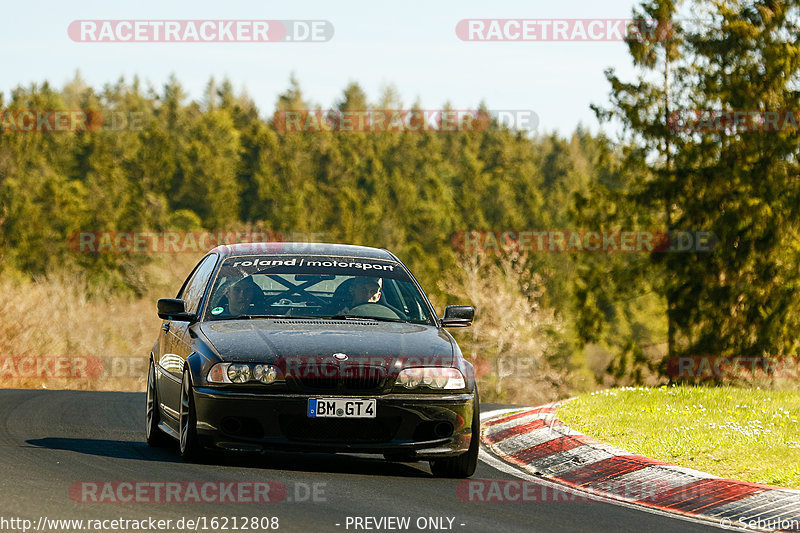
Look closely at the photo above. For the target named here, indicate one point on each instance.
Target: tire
(155, 437)
(464, 465)
(188, 443)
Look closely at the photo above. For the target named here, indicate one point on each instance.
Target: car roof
(303, 248)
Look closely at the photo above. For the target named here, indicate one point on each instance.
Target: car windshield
(315, 287)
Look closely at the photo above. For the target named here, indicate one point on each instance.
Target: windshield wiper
(309, 317)
(359, 317)
(250, 317)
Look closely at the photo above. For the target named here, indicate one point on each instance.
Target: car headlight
(238, 373)
(242, 373)
(265, 373)
(219, 373)
(436, 378)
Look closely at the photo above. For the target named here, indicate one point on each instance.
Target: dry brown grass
(54, 335)
(513, 335)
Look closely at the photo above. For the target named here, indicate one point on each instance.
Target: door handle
(165, 327)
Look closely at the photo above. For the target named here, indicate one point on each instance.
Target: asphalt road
(59, 449)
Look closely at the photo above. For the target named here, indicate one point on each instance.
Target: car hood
(272, 340)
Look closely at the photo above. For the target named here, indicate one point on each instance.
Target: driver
(241, 295)
(362, 291)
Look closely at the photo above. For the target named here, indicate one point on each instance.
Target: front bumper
(406, 426)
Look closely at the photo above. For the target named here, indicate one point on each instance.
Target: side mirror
(458, 316)
(174, 309)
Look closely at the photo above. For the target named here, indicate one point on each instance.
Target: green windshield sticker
(217, 310)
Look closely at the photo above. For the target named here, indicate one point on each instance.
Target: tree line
(162, 162)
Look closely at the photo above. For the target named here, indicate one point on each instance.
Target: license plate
(340, 408)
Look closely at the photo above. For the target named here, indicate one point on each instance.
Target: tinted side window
(194, 288)
(409, 301)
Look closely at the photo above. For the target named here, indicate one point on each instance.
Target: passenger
(362, 291)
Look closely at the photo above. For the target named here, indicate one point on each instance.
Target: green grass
(746, 434)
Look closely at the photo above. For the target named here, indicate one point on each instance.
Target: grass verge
(745, 434)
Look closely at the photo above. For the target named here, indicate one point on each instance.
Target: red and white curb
(535, 442)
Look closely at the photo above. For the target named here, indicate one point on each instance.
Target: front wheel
(189, 445)
(463, 465)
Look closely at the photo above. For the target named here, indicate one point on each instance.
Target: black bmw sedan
(312, 347)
